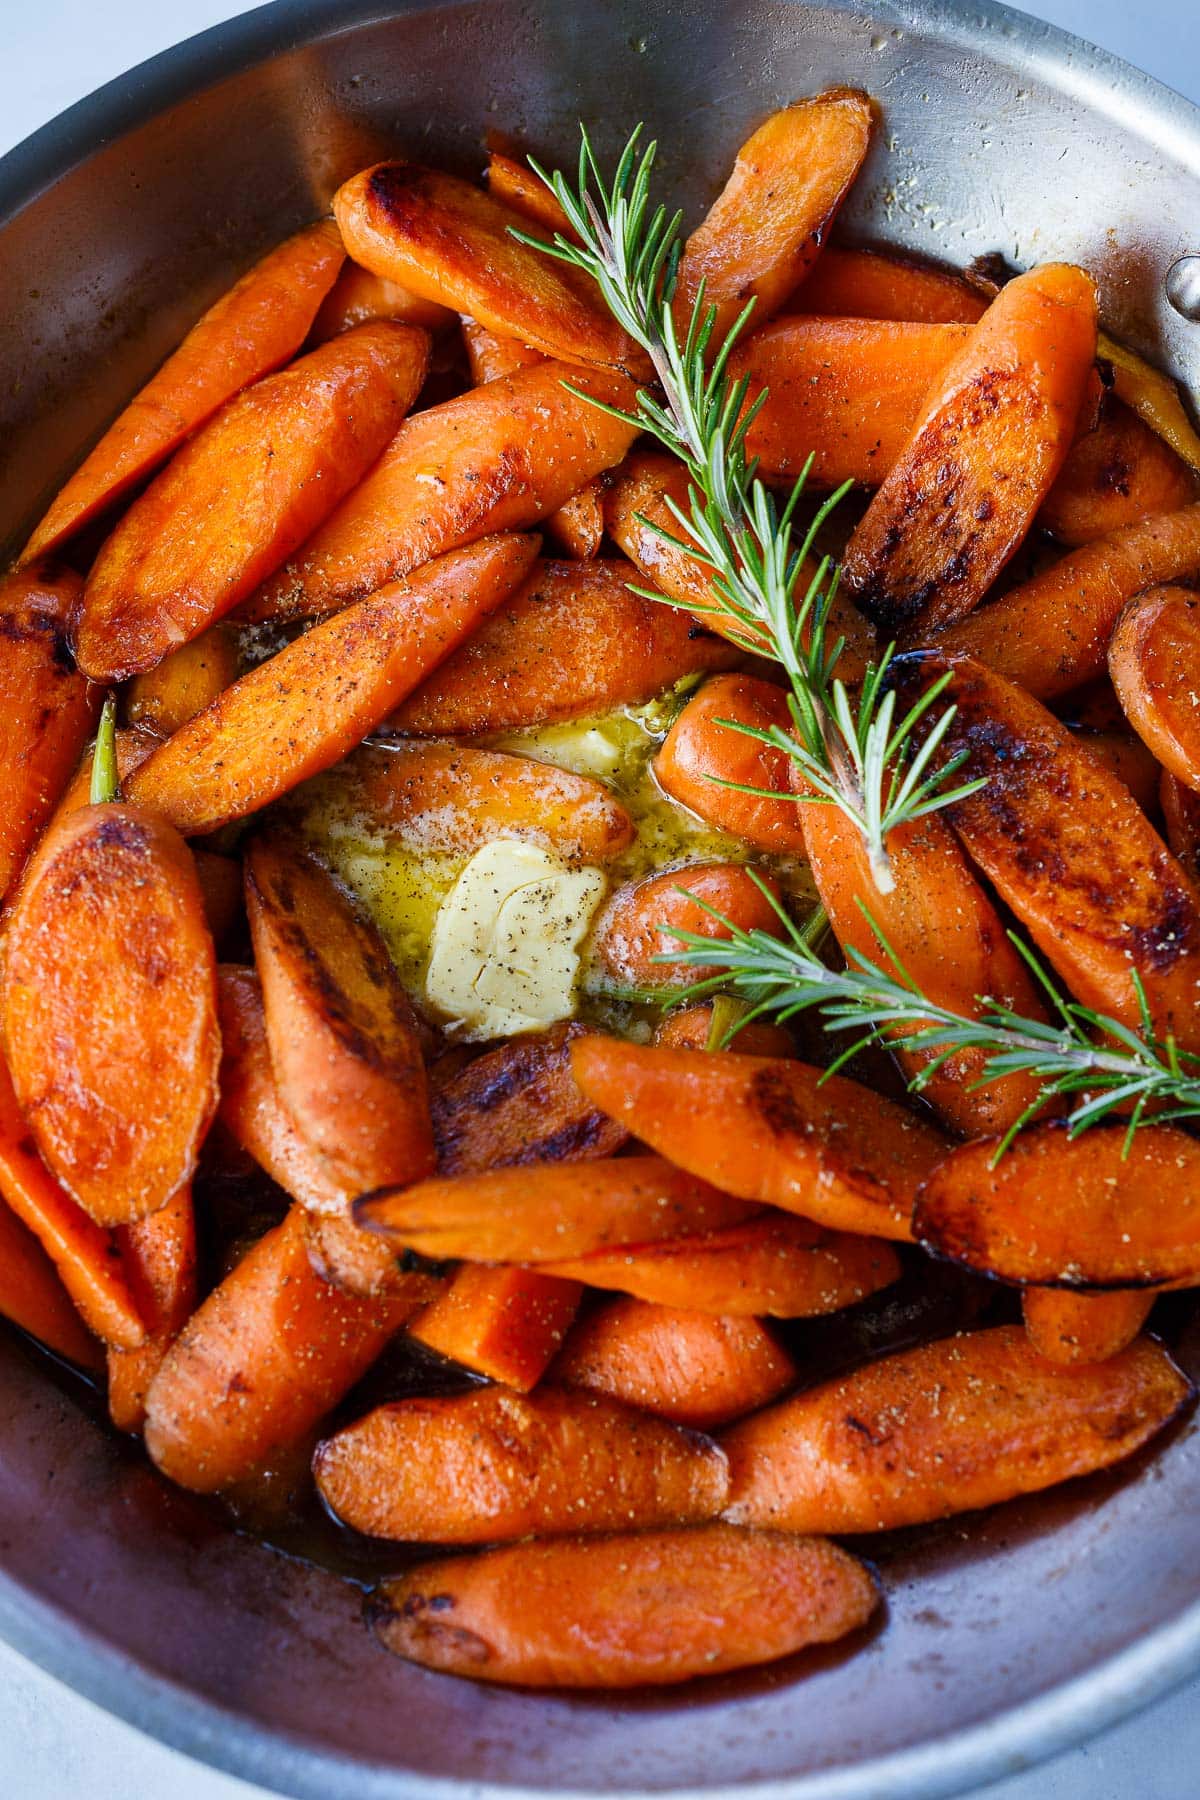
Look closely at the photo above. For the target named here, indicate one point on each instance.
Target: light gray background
(53, 1744)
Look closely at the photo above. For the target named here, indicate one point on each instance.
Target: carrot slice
(243, 494)
(573, 641)
(778, 1265)
(109, 1010)
(701, 753)
(307, 706)
(515, 185)
(519, 1103)
(1082, 1328)
(453, 797)
(447, 241)
(86, 1258)
(504, 1323)
(635, 927)
(691, 1028)
(1070, 850)
(254, 328)
(942, 1429)
(768, 1129)
(543, 1212)
(32, 1294)
(1115, 476)
(1051, 633)
(164, 698)
(1181, 811)
(490, 1465)
(359, 298)
(647, 1609)
(869, 284)
(692, 1368)
(497, 459)
(992, 434)
(1155, 645)
(159, 1258)
(764, 230)
(46, 705)
(1094, 1211)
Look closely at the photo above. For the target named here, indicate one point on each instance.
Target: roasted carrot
(764, 230)
(254, 328)
(768, 1129)
(992, 434)
(1181, 812)
(519, 1103)
(357, 1261)
(504, 1323)
(633, 931)
(244, 493)
(693, 1368)
(220, 879)
(1070, 850)
(359, 298)
(447, 241)
(108, 997)
(269, 1353)
(491, 356)
(1100, 1210)
(1051, 633)
(647, 1609)
(941, 926)
(1116, 475)
(1154, 397)
(343, 1037)
(578, 524)
(1067, 1327)
(131, 746)
(497, 459)
(691, 1028)
(1131, 761)
(701, 753)
(516, 186)
(869, 284)
(1154, 661)
(86, 1258)
(454, 797)
(490, 1465)
(46, 705)
(158, 1255)
(775, 1265)
(945, 1428)
(32, 1294)
(164, 698)
(543, 1212)
(312, 702)
(572, 641)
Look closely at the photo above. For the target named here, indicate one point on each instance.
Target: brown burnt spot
(772, 1100)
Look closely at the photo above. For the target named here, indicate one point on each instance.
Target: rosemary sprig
(852, 752)
(1078, 1053)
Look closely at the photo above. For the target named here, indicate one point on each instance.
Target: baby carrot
(504, 1323)
(1153, 658)
(634, 930)
(707, 764)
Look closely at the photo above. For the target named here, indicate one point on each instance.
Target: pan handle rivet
(1183, 287)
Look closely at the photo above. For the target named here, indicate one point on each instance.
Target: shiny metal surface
(1006, 1635)
(1183, 288)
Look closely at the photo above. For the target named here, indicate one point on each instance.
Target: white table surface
(53, 1744)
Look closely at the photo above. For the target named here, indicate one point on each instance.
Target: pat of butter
(505, 948)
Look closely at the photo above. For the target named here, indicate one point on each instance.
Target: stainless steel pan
(1007, 1635)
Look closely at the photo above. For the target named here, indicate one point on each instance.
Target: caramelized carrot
(945, 1428)
(869, 284)
(1116, 476)
(447, 241)
(647, 1609)
(108, 997)
(504, 1323)
(693, 1368)
(992, 434)
(220, 879)
(312, 702)
(32, 1294)
(490, 356)
(768, 1129)
(778, 1265)
(86, 1258)
(1154, 397)
(497, 459)
(254, 328)
(243, 494)
(1066, 1327)
(159, 1258)
(342, 1033)
(516, 186)
(764, 230)
(269, 1353)
(132, 746)
(359, 298)
(357, 1261)
(1051, 633)
(47, 709)
(164, 698)
(490, 1465)
(578, 524)
(1154, 661)
(1127, 758)
(701, 753)
(634, 930)
(691, 1028)
(1099, 1210)
(543, 1212)
(1181, 812)
(1070, 850)
(519, 1103)
(571, 642)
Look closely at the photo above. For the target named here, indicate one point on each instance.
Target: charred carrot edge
(1156, 641)
(159, 1258)
(32, 1294)
(504, 1323)
(1118, 474)
(634, 929)
(1082, 1328)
